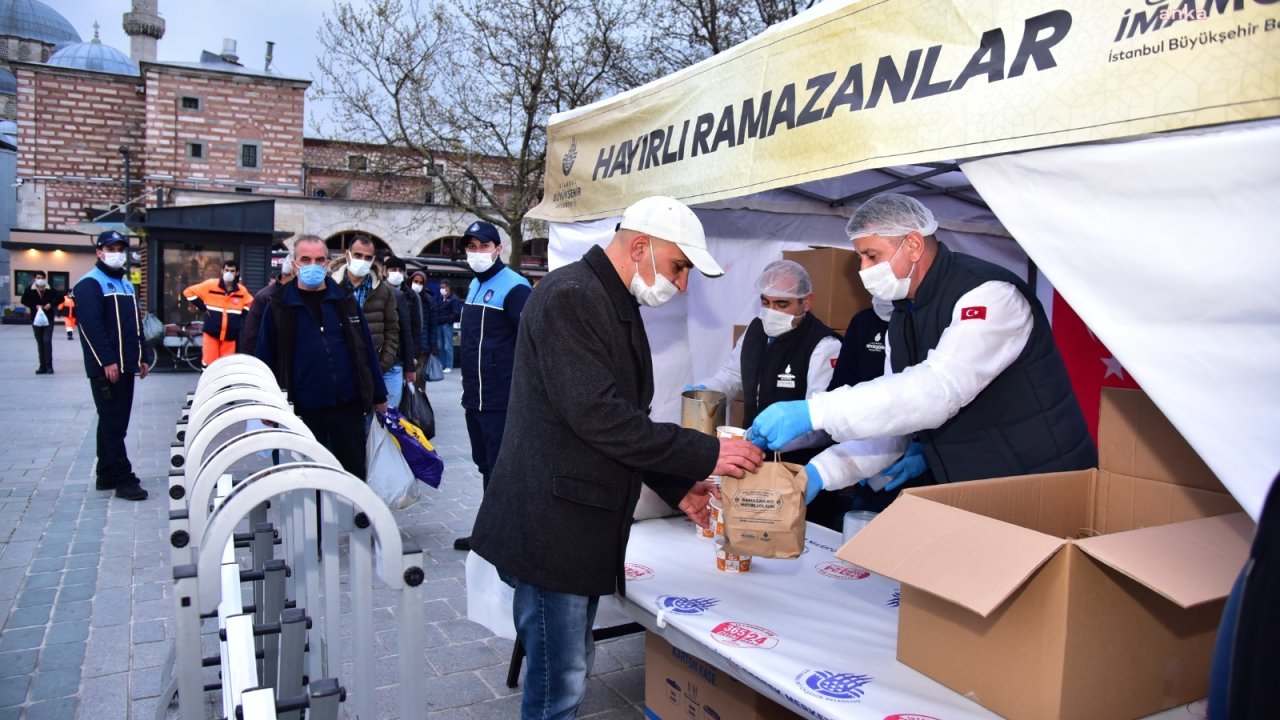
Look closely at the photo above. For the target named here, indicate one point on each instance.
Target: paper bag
(764, 512)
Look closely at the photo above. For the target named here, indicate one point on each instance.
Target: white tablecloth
(814, 633)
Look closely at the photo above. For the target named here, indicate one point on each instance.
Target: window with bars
(250, 155)
(190, 102)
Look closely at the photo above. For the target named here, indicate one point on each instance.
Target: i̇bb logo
(842, 570)
(909, 716)
(742, 635)
(637, 572)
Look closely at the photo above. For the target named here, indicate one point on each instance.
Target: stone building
(104, 138)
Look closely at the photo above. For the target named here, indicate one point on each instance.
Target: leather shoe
(463, 544)
(131, 491)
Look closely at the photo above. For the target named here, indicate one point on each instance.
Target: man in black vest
(976, 378)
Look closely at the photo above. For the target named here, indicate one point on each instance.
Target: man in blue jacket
(490, 319)
(315, 339)
(111, 338)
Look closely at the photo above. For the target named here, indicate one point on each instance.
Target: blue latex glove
(687, 388)
(910, 466)
(779, 424)
(815, 483)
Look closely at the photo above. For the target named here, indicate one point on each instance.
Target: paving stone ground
(85, 584)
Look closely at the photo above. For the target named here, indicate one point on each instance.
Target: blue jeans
(444, 344)
(394, 378)
(555, 630)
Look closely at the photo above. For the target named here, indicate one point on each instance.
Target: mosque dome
(33, 20)
(93, 55)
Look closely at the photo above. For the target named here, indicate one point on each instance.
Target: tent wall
(1167, 248)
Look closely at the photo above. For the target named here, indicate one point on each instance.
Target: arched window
(450, 248)
(339, 242)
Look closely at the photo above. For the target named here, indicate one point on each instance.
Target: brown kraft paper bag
(764, 511)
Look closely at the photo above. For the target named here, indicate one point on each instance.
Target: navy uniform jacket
(110, 330)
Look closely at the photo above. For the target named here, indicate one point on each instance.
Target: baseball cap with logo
(483, 232)
(107, 237)
(667, 218)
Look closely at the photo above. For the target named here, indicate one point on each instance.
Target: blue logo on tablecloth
(896, 600)
(685, 606)
(833, 685)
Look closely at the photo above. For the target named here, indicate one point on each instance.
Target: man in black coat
(579, 442)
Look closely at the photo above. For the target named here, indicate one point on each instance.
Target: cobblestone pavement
(85, 591)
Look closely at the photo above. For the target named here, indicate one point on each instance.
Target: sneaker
(131, 492)
(448, 370)
(463, 544)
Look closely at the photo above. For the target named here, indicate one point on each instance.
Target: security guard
(111, 338)
(223, 301)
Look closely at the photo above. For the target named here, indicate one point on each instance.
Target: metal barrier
(266, 644)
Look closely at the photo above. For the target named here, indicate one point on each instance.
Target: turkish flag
(978, 312)
(1090, 365)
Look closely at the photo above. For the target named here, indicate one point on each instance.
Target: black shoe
(463, 544)
(41, 371)
(48, 371)
(101, 484)
(131, 492)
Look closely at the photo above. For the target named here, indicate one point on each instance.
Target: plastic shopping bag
(388, 472)
(434, 369)
(415, 406)
(152, 329)
(414, 447)
(40, 319)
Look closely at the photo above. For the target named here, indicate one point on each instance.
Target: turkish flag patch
(833, 362)
(977, 312)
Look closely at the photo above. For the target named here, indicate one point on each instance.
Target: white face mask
(228, 277)
(776, 322)
(480, 261)
(417, 287)
(115, 260)
(656, 294)
(359, 268)
(39, 282)
(395, 277)
(881, 282)
(882, 308)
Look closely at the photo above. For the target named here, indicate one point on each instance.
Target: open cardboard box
(1079, 595)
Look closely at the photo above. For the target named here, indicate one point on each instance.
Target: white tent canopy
(1160, 242)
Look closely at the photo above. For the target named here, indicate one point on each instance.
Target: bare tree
(462, 92)
(687, 31)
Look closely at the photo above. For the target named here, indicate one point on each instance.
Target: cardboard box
(1079, 595)
(680, 686)
(838, 293)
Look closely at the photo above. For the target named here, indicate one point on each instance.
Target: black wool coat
(578, 440)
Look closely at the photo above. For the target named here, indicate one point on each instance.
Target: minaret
(144, 26)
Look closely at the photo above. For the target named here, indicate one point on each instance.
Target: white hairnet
(890, 215)
(784, 278)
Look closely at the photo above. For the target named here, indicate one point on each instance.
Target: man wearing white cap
(579, 442)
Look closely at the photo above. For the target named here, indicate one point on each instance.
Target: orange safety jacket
(69, 304)
(223, 310)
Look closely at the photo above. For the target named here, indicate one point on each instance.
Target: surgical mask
(228, 277)
(40, 282)
(775, 322)
(882, 283)
(444, 292)
(882, 308)
(115, 260)
(656, 294)
(480, 261)
(311, 276)
(395, 278)
(359, 268)
(417, 287)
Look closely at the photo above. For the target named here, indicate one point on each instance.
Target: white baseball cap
(666, 218)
